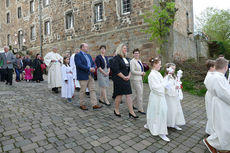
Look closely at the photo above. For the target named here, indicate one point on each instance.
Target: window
(8, 18)
(19, 12)
(8, 39)
(98, 12)
(47, 28)
(32, 6)
(69, 20)
(45, 3)
(20, 39)
(125, 6)
(7, 3)
(32, 33)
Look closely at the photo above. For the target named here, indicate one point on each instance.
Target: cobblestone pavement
(33, 119)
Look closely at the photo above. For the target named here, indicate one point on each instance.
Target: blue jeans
(18, 72)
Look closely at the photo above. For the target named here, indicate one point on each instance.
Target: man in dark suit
(85, 69)
(8, 60)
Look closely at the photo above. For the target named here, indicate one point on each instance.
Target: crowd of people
(76, 71)
(164, 105)
(25, 68)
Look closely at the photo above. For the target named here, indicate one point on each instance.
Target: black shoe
(130, 115)
(107, 104)
(102, 102)
(119, 115)
(10, 84)
(6, 82)
(143, 113)
(134, 108)
(87, 93)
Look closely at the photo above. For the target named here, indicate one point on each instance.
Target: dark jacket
(101, 63)
(83, 71)
(120, 66)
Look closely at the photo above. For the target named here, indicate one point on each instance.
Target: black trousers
(2, 78)
(8, 75)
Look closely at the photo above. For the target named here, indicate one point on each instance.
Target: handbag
(43, 66)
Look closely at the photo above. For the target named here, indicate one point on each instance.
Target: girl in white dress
(175, 113)
(157, 106)
(68, 78)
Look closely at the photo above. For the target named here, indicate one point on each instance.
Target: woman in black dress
(37, 76)
(121, 78)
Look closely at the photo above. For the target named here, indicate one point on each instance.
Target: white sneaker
(164, 137)
(178, 128)
(146, 126)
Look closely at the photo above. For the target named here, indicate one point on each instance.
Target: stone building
(67, 23)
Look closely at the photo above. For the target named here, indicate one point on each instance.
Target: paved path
(33, 119)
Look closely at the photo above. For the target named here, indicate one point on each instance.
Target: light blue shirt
(87, 59)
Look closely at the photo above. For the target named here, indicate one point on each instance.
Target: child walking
(208, 97)
(68, 78)
(157, 106)
(28, 73)
(175, 113)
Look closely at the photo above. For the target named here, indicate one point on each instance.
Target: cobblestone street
(33, 119)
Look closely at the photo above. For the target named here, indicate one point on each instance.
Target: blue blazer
(101, 63)
(83, 71)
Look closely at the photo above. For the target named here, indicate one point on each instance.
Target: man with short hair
(53, 60)
(219, 109)
(85, 69)
(8, 60)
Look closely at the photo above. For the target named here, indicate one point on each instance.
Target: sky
(200, 5)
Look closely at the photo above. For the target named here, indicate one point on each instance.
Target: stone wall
(112, 30)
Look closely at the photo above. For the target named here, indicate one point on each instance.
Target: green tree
(215, 25)
(160, 20)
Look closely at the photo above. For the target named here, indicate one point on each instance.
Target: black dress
(37, 76)
(121, 87)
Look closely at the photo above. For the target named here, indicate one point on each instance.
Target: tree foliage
(215, 25)
(160, 20)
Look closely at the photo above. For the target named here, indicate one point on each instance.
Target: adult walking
(18, 67)
(121, 78)
(72, 64)
(85, 69)
(103, 70)
(37, 69)
(137, 73)
(54, 61)
(8, 60)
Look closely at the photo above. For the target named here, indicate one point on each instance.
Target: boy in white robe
(54, 61)
(219, 140)
(208, 97)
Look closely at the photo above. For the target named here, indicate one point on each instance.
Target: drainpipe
(40, 26)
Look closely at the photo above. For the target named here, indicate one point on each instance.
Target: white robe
(175, 112)
(220, 112)
(72, 64)
(54, 69)
(208, 103)
(67, 89)
(157, 107)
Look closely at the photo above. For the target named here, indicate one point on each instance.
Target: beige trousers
(91, 85)
(137, 89)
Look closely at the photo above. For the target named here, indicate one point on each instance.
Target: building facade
(67, 23)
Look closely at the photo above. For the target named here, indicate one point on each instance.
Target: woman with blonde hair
(121, 78)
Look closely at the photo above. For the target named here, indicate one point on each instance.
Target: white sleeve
(155, 84)
(63, 70)
(47, 59)
(222, 89)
